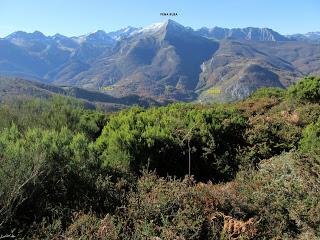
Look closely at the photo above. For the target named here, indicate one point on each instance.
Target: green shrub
(69, 172)
(268, 92)
(269, 135)
(307, 89)
(308, 113)
(49, 174)
(284, 192)
(310, 143)
(54, 113)
(161, 138)
(20, 169)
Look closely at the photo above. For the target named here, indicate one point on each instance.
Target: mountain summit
(162, 28)
(164, 60)
(159, 60)
(36, 35)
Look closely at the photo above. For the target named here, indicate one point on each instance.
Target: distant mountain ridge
(249, 33)
(164, 60)
(219, 33)
(310, 36)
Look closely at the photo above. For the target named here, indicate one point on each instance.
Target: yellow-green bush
(310, 143)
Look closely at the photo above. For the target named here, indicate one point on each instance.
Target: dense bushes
(161, 139)
(54, 113)
(167, 209)
(285, 194)
(270, 134)
(43, 170)
(268, 92)
(70, 172)
(50, 171)
(278, 117)
(164, 208)
(281, 200)
(307, 89)
(20, 168)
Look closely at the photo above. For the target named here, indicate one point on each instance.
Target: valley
(164, 61)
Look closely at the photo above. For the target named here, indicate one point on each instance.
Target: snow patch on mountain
(151, 28)
(124, 32)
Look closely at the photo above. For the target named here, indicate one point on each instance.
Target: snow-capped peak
(152, 28)
(98, 36)
(155, 27)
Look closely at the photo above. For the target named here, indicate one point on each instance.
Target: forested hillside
(242, 170)
(13, 87)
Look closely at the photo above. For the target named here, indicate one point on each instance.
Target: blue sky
(76, 17)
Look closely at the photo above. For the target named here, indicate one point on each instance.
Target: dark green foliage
(48, 164)
(158, 138)
(55, 168)
(307, 89)
(70, 172)
(267, 136)
(268, 92)
(54, 113)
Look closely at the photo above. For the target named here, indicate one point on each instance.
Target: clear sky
(76, 17)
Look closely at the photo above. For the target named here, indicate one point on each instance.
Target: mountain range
(164, 61)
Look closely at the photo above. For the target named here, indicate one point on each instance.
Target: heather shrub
(284, 193)
(269, 135)
(162, 208)
(167, 209)
(83, 226)
(279, 200)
